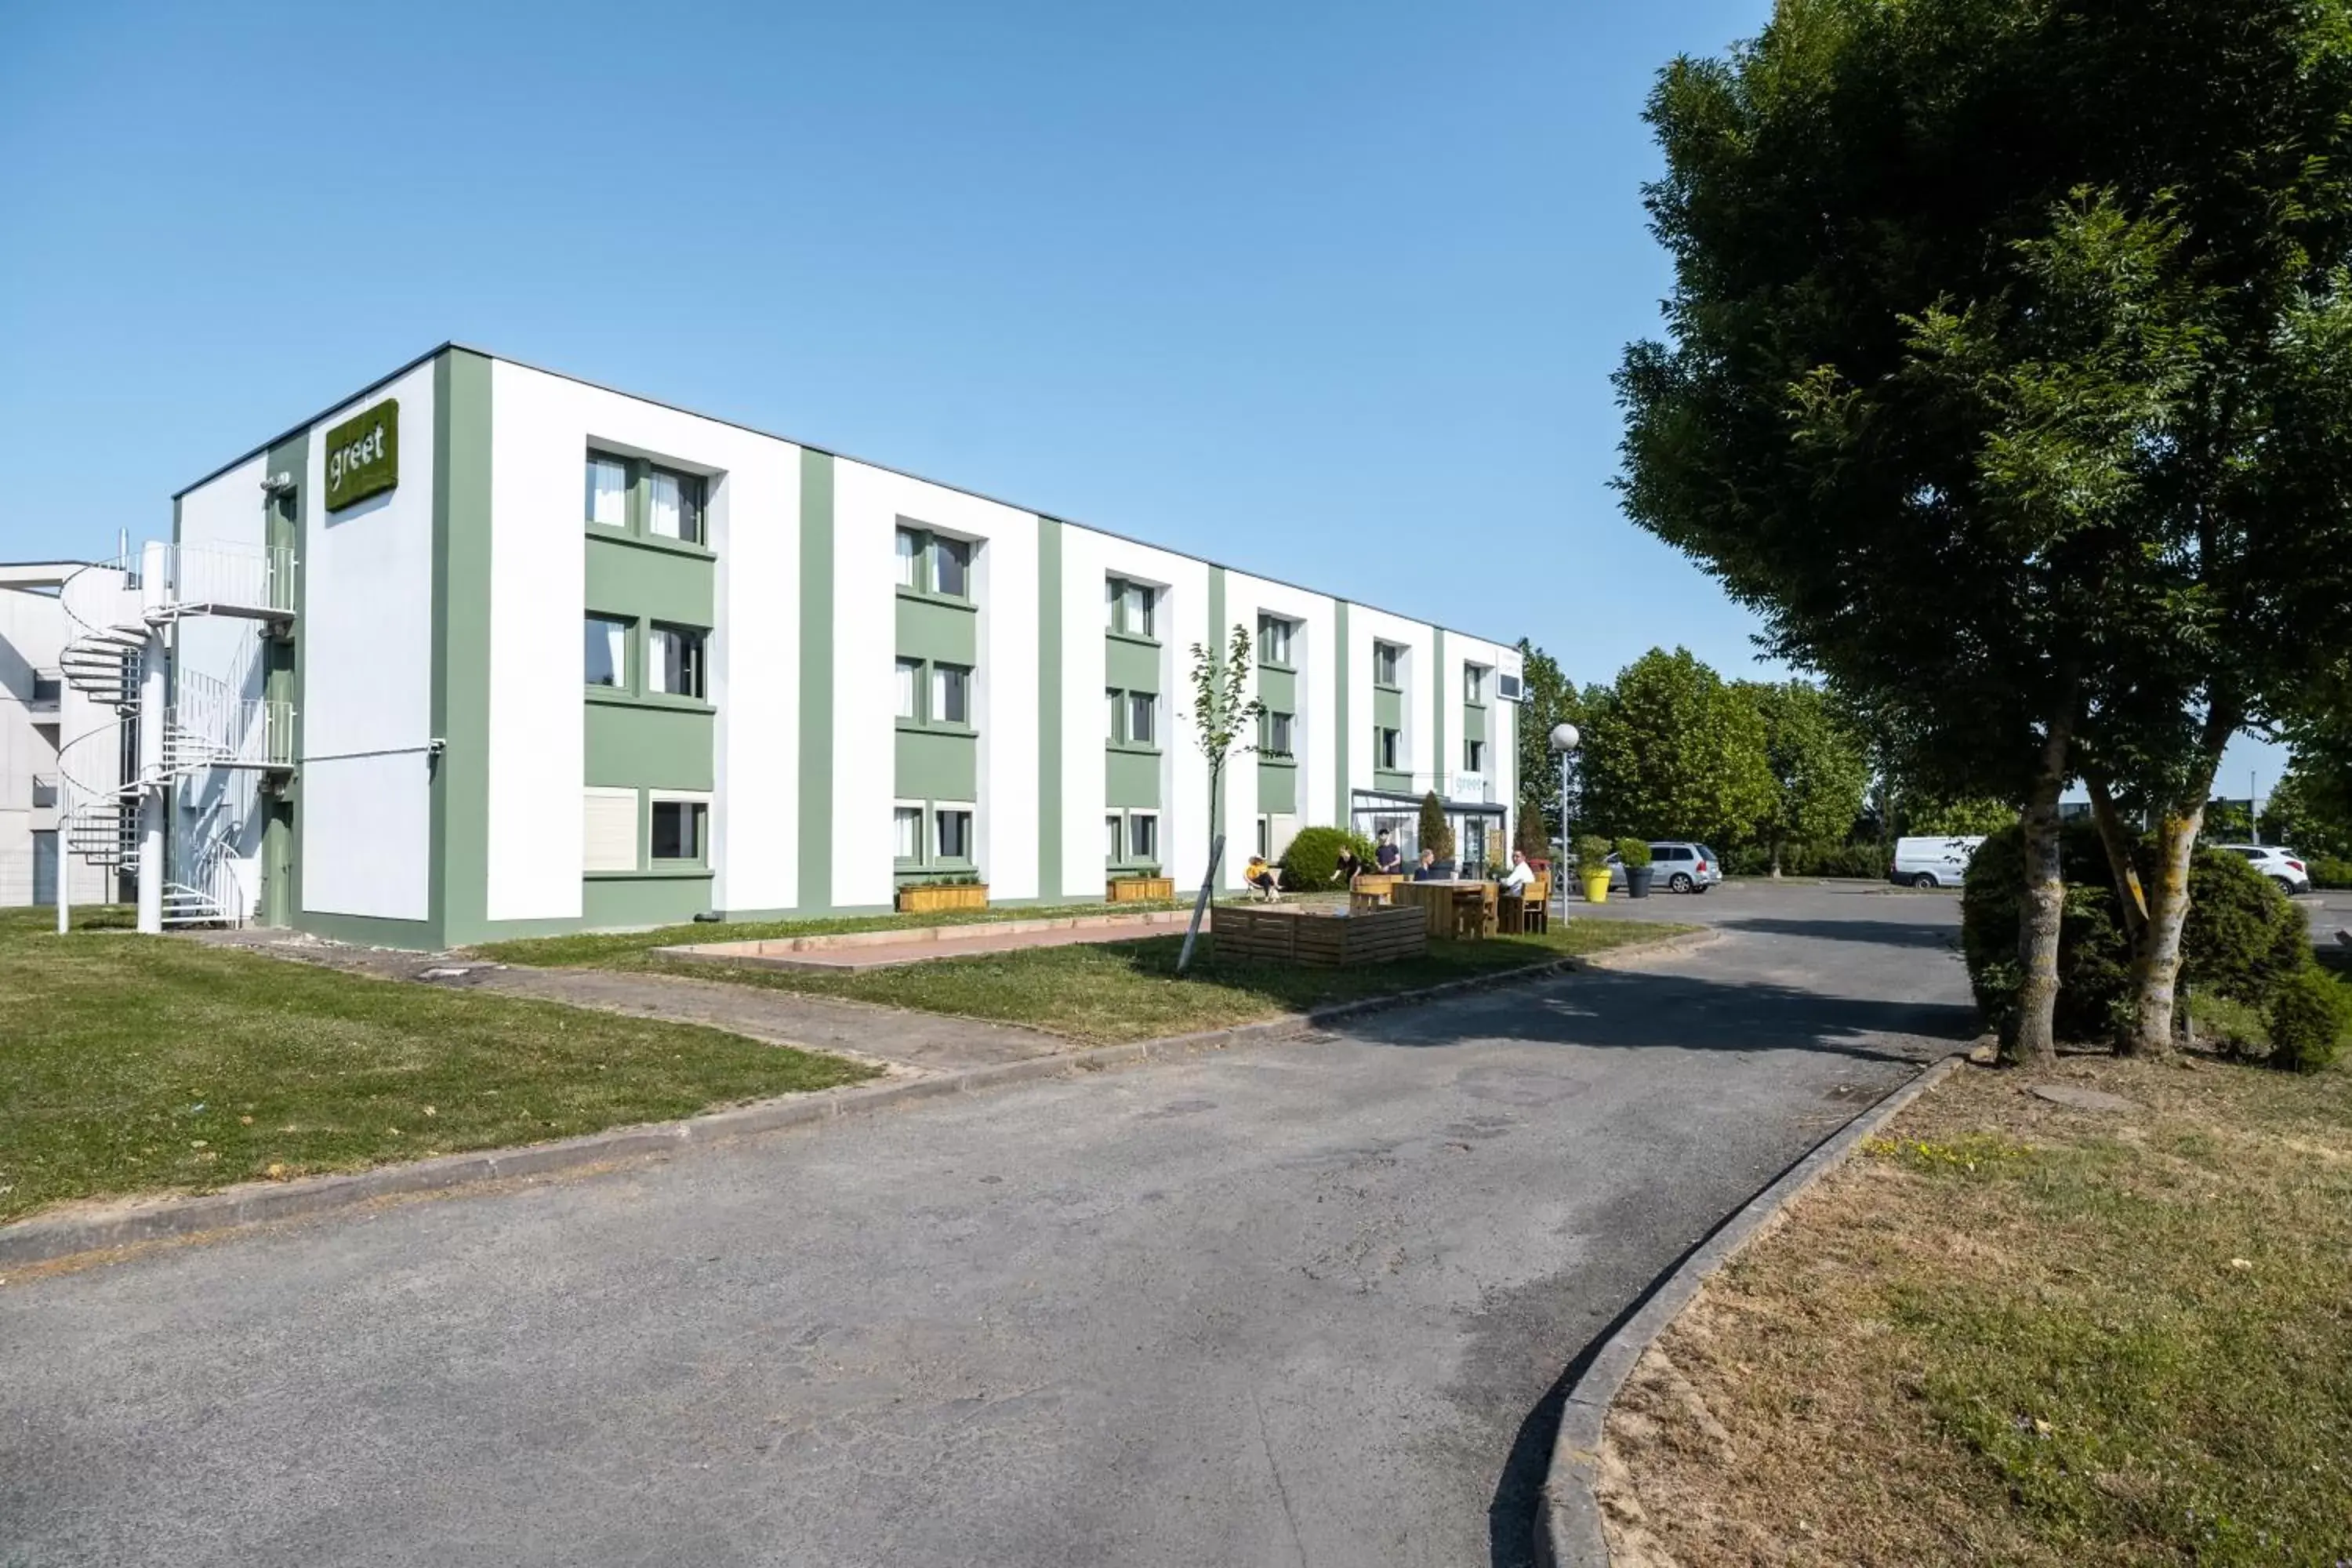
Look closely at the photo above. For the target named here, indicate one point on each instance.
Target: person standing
(1386, 856)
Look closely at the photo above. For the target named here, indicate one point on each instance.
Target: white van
(1933, 862)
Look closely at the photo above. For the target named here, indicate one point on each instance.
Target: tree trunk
(2155, 962)
(2120, 858)
(2032, 1036)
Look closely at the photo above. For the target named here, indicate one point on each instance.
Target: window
(1474, 756)
(907, 832)
(1131, 606)
(1142, 718)
(678, 827)
(1273, 734)
(45, 691)
(1113, 838)
(1384, 664)
(1387, 748)
(673, 505)
(1272, 640)
(1474, 684)
(608, 651)
(910, 559)
(1265, 837)
(951, 568)
(1143, 835)
(910, 686)
(951, 694)
(609, 820)
(1110, 724)
(674, 661)
(955, 833)
(608, 491)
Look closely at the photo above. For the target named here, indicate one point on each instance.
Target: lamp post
(1564, 741)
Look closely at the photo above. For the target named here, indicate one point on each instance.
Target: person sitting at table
(1386, 855)
(1522, 877)
(1260, 876)
(1427, 870)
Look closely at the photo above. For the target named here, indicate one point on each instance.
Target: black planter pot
(1637, 881)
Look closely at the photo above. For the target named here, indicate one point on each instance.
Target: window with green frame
(933, 693)
(1274, 635)
(1134, 719)
(638, 495)
(1131, 609)
(934, 564)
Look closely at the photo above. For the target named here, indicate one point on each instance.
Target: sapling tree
(1221, 717)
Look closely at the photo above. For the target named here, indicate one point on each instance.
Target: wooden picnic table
(1436, 901)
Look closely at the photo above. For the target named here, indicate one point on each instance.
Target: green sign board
(364, 456)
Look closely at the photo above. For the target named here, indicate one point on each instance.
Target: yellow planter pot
(1596, 888)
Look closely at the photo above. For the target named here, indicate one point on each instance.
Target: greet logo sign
(364, 456)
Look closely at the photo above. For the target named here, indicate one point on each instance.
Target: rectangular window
(1474, 756)
(608, 491)
(951, 568)
(45, 789)
(678, 826)
(907, 832)
(610, 820)
(1142, 718)
(674, 661)
(951, 694)
(1111, 731)
(1272, 640)
(1278, 734)
(1384, 664)
(955, 834)
(1265, 837)
(1136, 604)
(1143, 835)
(1474, 684)
(608, 651)
(910, 559)
(1113, 840)
(673, 505)
(910, 686)
(1388, 749)
(1110, 602)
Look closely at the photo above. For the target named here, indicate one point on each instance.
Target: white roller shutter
(611, 844)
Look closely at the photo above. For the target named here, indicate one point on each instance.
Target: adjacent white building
(38, 715)
(485, 650)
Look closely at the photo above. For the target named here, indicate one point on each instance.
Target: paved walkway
(908, 1043)
(1298, 1303)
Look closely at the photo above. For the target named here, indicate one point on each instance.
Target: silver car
(1678, 866)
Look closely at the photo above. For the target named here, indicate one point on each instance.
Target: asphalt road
(1305, 1303)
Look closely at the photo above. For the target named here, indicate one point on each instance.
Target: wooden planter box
(1325, 938)
(929, 899)
(1141, 889)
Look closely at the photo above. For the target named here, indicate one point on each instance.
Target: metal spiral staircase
(120, 777)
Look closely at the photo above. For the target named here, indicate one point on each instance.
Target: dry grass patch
(2007, 1331)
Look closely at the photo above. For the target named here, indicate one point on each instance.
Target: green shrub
(1806, 860)
(1591, 853)
(2243, 939)
(1436, 833)
(1634, 851)
(1313, 858)
(2326, 872)
(2308, 1016)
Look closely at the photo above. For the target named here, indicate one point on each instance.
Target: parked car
(1933, 862)
(1678, 865)
(2282, 866)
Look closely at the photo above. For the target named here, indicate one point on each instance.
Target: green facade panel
(1473, 723)
(1132, 778)
(627, 578)
(1129, 665)
(657, 899)
(1049, 710)
(648, 746)
(938, 631)
(1344, 710)
(1277, 788)
(1278, 688)
(933, 764)
(1388, 708)
(816, 681)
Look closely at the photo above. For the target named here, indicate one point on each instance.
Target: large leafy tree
(1820, 767)
(1672, 750)
(2008, 380)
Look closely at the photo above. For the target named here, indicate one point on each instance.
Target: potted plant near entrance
(1592, 867)
(1437, 834)
(1634, 853)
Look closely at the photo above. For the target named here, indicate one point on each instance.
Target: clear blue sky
(1327, 291)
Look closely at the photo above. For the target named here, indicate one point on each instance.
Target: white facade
(38, 713)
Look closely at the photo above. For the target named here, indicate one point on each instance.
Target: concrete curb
(1568, 1533)
(259, 1202)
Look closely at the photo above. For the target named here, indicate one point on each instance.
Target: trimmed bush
(1591, 853)
(1533, 839)
(1862, 860)
(1312, 861)
(1634, 851)
(1436, 833)
(2309, 1014)
(2329, 873)
(2244, 940)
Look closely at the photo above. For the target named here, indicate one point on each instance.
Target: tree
(2311, 808)
(1818, 766)
(2008, 379)
(1672, 752)
(1956, 818)
(1436, 833)
(1545, 699)
(1220, 716)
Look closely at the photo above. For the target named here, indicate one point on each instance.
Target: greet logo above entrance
(364, 456)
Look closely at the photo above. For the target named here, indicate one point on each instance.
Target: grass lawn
(1098, 991)
(136, 1063)
(2010, 1332)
